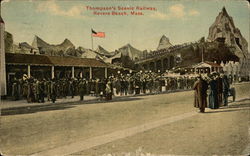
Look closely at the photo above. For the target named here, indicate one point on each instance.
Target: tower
(2, 57)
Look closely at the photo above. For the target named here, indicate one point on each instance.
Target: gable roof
(1, 20)
(213, 64)
(206, 64)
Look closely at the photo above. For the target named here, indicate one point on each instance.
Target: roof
(113, 66)
(206, 64)
(26, 45)
(213, 64)
(44, 60)
(1, 20)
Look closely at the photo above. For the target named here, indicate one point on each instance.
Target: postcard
(124, 77)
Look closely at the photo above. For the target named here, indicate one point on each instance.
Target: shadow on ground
(244, 104)
(59, 106)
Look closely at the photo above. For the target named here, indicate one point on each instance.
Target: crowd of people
(41, 90)
(215, 89)
(37, 90)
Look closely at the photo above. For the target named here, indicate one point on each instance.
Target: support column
(3, 83)
(81, 74)
(169, 63)
(106, 72)
(145, 66)
(174, 61)
(73, 72)
(155, 66)
(162, 65)
(28, 71)
(90, 73)
(52, 72)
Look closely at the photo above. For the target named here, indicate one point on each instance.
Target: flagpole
(202, 54)
(92, 40)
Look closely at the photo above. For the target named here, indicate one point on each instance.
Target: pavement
(216, 132)
(100, 140)
(11, 107)
(110, 140)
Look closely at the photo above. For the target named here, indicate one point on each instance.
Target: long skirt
(213, 100)
(109, 96)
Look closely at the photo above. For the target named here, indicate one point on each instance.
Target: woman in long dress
(213, 96)
(108, 91)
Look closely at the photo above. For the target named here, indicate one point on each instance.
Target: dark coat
(219, 85)
(82, 88)
(53, 89)
(30, 93)
(226, 85)
(200, 94)
(213, 97)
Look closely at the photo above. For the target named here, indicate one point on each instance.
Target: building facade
(2, 57)
(239, 70)
(245, 67)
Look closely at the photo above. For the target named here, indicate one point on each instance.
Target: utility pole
(92, 39)
(202, 53)
(0, 6)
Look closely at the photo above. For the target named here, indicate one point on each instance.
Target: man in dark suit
(226, 87)
(200, 94)
(219, 89)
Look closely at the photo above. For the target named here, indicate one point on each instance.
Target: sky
(180, 20)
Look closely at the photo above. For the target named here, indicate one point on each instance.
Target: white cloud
(176, 11)
(193, 13)
(158, 15)
(53, 8)
(5, 1)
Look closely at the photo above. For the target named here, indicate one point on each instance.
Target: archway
(145, 66)
(152, 66)
(158, 65)
(165, 64)
(171, 64)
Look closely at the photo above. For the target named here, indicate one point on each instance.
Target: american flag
(98, 34)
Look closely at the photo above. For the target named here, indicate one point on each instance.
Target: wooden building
(205, 67)
(43, 66)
